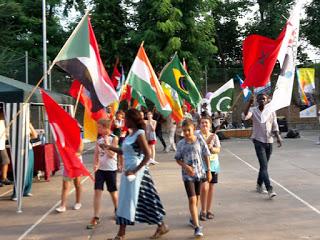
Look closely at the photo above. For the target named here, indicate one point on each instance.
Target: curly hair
(135, 116)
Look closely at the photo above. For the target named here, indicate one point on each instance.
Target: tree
(311, 26)
(109, 21)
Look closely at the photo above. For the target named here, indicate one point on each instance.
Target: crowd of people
(126, 144)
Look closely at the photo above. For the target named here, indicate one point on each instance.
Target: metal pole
(45, 80)
(27, 68)
(50, 77)
(206, 78)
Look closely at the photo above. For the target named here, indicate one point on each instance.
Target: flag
(66, 133)
(116, 78)
(90, 128)
(246, 91)
(178, 78)
(259, 57)
(306, 81)
(221, 100)
(143, 79)
(287, 55)
(265, 89)
(174, 101)
(85, 100)
(80, 58)
(139, 99)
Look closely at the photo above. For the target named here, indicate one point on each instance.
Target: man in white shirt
(262, 137)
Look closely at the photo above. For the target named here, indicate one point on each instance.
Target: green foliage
(311, 26)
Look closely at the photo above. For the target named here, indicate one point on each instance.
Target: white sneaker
(77, 206)
(153, 162)
(271, 194)
(61, 209)
(260, 189)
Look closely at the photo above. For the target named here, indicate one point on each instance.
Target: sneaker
(61, 209)
(14, 199)
(6, 182)
(271, 194)
(198, 232)
(191, 224)
(93, 223)
(77, 206)
(260, 189)
(28, 195)
(153, 162)
(167, 150)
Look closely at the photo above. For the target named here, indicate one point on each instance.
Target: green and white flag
(221, 100)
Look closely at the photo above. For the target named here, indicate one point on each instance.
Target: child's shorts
(214, 179)
(152, 142)
(108, 177)
(193, 188)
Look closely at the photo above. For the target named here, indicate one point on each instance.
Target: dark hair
(135, 116)
(187, 122)
(262, 94)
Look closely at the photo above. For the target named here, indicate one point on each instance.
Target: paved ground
(240, 213)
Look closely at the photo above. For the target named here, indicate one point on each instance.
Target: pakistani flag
(143, 80)
(80, 58)
(221, 100)
(175, 75)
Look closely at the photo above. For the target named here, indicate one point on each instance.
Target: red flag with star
(259, 57)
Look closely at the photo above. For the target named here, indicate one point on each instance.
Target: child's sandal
(202, 216)
(210, 215)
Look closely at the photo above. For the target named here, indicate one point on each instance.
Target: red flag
(85, 100)
(126, 93)
(66, 133)
(259, 57)
(115, 77)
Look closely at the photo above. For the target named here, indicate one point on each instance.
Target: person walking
(137, 188)
(151, 126)
(192, 154)
(262, 137)
(160, 120)
(207, 188)
(66, 183)
(105, 169)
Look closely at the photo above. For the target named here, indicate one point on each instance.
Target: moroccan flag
(143, 79)
(66, 133)
(221, 100)
(178, 78)
(85, 100)
(174, 101)
(259, 57)
(80, 58)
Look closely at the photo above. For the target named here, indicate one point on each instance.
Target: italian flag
(143, 79)
(80, 58)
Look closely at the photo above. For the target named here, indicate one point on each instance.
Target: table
(46, 159)
(238, 133)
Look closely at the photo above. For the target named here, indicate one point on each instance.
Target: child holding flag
(105, 168)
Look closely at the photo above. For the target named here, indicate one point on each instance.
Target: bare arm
(33, 132)
(142, 141)
(246, 110)
(189, 169)
(114, 144)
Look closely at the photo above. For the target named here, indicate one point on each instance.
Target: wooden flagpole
(77, 102)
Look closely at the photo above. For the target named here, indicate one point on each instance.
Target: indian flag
(80, 58)
(143, 79)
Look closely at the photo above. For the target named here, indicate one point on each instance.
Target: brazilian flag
(175, 75)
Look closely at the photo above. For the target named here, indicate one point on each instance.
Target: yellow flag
(89, 127)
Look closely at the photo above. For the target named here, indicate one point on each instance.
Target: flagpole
(77, 102)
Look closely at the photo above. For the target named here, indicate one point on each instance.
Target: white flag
(287, 56)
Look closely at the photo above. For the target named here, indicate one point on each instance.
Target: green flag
(137, 96)
(178, 78)
(221, 100)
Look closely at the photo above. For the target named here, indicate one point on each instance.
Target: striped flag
(143, 79)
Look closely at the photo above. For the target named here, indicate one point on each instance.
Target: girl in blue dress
(138, 198)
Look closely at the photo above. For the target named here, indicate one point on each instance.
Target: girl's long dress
(138, 199)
